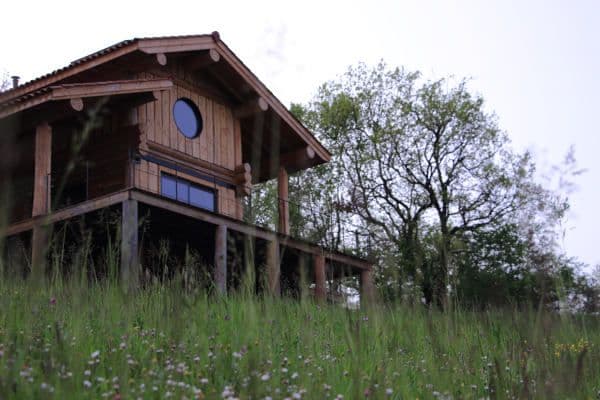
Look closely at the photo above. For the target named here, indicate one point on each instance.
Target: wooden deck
(153, 200)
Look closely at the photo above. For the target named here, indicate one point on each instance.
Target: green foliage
(79, 341)
(425, 180)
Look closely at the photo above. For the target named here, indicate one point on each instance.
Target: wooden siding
(219, 143)
(220, 140)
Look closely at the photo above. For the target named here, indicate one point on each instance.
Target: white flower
(265, 377)
(294, 375)
(389, 391)
(95, 354)
(87, 372)
(87, 384)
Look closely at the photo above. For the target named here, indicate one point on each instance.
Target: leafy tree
(412, 152)
(425, 180)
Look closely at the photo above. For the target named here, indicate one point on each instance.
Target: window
(187, 192)
(187, 117)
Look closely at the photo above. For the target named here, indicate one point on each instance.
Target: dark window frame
(179, 181)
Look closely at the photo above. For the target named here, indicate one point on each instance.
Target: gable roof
(165, 45)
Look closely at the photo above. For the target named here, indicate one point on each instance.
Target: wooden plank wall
(219, 142)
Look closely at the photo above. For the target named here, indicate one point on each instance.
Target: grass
(70, 340)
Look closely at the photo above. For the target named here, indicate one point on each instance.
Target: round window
(187, 118)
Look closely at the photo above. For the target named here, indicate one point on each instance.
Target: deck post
(41, 198)
(43, 166)
(220, 272)
(39, 248)
(320, 285)
(284, 206)
(367, 288)
(130, 265)
(273, 267)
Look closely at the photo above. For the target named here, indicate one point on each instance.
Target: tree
(417, 153)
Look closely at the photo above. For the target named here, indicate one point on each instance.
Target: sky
(537, 63)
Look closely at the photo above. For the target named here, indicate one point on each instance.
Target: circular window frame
(196, 113)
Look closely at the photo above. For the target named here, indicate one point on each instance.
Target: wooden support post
(43, 166)
(130, 265)
(320, 285)
(220, 274)
(367, 288)
(41, 199)
(284, 205)
(39, 248)
(273, 267)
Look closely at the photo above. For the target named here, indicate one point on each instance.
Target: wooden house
(175, 127)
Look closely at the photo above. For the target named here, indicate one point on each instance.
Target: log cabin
(174, 128)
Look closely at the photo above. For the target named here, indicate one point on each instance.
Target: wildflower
(389, 391)
(227, 392)
(87, 384)
(204, 381)
(95, 354)
(52, 301)
(367, 392)
(295, 375)
(265, 377)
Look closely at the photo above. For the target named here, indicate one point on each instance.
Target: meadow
(74, 340)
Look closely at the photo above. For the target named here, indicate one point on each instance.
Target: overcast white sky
(537, 63)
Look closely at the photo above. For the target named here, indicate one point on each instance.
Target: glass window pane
(202, 198)
(187, 118)
(183, 191)
(168, 186)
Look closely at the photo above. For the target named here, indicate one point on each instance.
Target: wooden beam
(161, 59)
(66, 213)
(273, 268)
(255, 106)
(367, 287)
(76, 103)
(75, 69)
(301, 158)
(109, 88)
(161, 151)
(176, 44)
(85, 90)
(195, 63)
(130, 266)
(283, 201)
(43, 167)
(320, 284)
(243, 179)
(220, 267)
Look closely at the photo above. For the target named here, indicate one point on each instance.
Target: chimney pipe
(15, 80)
